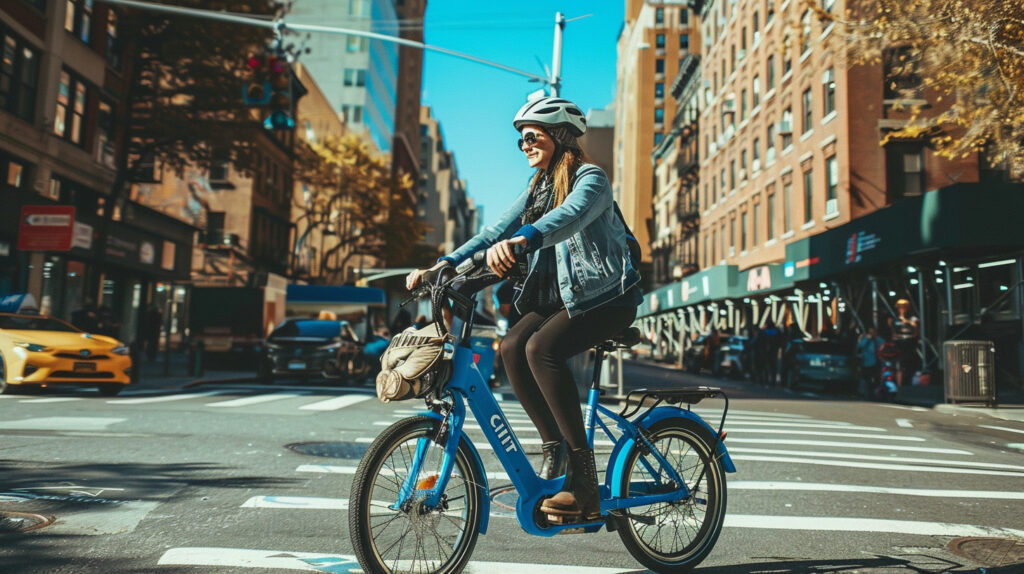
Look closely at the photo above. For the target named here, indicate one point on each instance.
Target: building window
(71, 97)
(658, 137)
(732, 58)
(113, 43)
(771, 73)
(743, 104)
(905, 171)
(743, 165)
(770, 213)
(769, 149)
(754, 218)
(659, 41)
(900, 72)
(828, 91)
(743, 231)
(828, 4)
(786, 130)
(722, 181)
(757, 30)
(19, 76)
(732, 230)
(714, 190)
(787, 202)
(684, 16)
(105, 151)
(732, 174)
(831, 185)
(757, 92)
(356, 44)
(354, 77)
(806, 32)
(808, 196)
(684, 40)
(659, 16)
(787, 63)
(808, 123)
(78, 18)
(757, 154)
(659, 115)
(659, 90)
(770, 11)
(659, 66)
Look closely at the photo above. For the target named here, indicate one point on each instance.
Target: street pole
(556, 55)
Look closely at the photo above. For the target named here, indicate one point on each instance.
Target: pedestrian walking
(579, 286)
(867, 350)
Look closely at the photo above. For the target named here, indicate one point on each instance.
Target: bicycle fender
(620, 452)
(485, 498)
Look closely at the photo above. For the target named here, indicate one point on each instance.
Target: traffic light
(280, 117)
(256, 87)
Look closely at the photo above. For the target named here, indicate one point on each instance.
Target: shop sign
(759, 278)
(46, 227)
(117, 247)
(858, 244)
(167, 256)
(82, 235)
(147, 253)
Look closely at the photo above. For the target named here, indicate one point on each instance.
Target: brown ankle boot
(553, 463)
(583, 502)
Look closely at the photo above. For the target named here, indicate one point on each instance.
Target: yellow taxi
(38, 351)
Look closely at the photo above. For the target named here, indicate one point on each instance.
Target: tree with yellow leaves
(970, 53)
(353, 197)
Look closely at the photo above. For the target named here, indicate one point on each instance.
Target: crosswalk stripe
(61, 423)
(861, 445)
(882, 458)
(1001, 429)
(321, 562)
(335, 403)
(338, 469)
(775, 486)
(297, 502)
(51, 400)
(841, 524)
(165, 398)
(244, 401)
(872, 465)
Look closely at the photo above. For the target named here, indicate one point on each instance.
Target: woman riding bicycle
(577, 288)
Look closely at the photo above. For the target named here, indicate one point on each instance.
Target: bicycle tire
(694, 440)
(416, 521)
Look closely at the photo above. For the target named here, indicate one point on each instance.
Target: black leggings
(535, 352)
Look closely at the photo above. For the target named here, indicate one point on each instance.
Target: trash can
(970, 371)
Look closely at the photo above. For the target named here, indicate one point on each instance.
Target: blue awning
(336, 294)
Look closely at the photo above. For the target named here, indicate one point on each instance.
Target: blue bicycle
(420, 495)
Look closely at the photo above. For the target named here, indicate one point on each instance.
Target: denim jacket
(591, 254)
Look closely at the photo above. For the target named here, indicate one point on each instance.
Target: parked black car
(734, 357)
(313, 348)
(824, 363)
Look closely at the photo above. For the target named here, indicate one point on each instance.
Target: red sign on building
(46, 227)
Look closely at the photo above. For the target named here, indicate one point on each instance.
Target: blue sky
(475, 103)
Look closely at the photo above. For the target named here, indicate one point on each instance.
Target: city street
(246, 478)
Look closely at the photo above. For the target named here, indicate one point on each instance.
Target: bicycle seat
(624, 340)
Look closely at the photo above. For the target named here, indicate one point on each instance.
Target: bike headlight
(121, 350)
(32, 346)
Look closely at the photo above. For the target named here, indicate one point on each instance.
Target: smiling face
(538, 146)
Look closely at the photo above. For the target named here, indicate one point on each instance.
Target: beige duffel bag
(414, 363)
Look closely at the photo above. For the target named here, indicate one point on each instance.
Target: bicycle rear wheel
(388, 537)
(676, 536)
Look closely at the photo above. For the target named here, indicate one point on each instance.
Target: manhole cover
(352, 450)
(12, 522)
(990, 551)
(504, 499)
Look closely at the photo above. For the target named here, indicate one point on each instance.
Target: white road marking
(900, 459)
(861, 445)
(335, 469)
(838, 524)
(904, 423)
(915, 409)
(336, 403)
(61, 423)
(1016, 445)
(244, 401)
(318, 562)
(51, 400)
(1001, 429)
(165, 398)
(303, 502)
(764, 486)
(873, 465)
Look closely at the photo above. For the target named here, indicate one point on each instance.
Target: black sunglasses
(530, 139)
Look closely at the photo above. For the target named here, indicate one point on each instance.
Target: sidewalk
(173, 374)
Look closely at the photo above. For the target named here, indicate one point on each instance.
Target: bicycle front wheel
(672, 537)
(391, 535)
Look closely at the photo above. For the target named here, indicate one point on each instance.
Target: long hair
(568, 160)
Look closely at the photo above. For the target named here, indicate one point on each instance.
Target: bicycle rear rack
(674, 396)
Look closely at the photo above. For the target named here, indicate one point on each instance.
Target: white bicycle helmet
(551, 111)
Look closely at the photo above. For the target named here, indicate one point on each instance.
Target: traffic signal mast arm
(280, 26)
